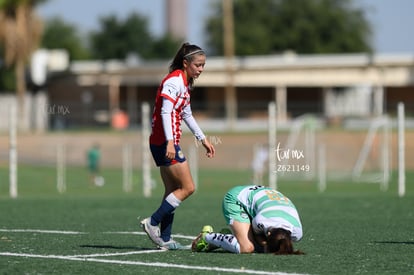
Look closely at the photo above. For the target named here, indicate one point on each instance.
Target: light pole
(228, 40)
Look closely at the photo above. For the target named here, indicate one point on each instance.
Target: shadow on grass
(218, 251)
(116, 247)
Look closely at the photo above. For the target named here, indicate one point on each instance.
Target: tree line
(261, 27)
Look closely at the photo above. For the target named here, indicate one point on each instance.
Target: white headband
(192, 53)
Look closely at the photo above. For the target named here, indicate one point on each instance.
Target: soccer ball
(99, 181)
(207, 229)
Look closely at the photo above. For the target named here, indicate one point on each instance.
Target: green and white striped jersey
(270, 208)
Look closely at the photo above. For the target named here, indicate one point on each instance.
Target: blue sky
(391, 19)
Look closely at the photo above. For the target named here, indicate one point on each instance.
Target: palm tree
(20, 33)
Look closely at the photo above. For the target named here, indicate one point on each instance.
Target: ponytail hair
(185, 52)
(279, 242)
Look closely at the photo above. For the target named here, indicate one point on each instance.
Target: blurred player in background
(261, 220)
(172, 106)
(260, 158)
(93, 158)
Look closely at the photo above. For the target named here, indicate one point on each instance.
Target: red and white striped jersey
(174, 88)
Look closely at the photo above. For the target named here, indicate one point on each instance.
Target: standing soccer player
(172, 106)
(93, 158)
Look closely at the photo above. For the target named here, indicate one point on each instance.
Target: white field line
(180, 236)
(154, 264)
(91, 257)
(42, 231)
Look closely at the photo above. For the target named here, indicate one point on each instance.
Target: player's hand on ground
(195, 241)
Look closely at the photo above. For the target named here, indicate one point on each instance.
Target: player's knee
(190, 190)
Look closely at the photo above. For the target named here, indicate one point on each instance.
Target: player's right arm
(166, 110)
(169, 93)
(260, 241)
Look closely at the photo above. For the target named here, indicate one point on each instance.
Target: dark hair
(185, 52)
(279, 242)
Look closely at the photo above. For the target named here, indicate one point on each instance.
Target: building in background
(333, 88)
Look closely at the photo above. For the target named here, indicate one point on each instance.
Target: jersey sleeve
(171, 89)
(192, 123)
(166, 110)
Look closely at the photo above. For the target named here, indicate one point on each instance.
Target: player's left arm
(191, 123)
(259, 234)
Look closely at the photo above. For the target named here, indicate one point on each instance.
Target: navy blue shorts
(159, 151)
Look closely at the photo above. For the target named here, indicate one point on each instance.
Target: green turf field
(350, 229)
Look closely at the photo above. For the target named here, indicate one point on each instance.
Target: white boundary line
(42, 231)
(78, 233)
(180, 236)
(93, 257)
(154, 264)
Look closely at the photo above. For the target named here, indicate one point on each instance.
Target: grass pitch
(349, 229)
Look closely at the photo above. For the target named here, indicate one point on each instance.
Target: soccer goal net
(305, 149)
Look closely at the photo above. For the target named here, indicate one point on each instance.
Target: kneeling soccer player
(261, 220)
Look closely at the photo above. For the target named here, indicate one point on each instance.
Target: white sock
(226, 241)
(172, 199)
